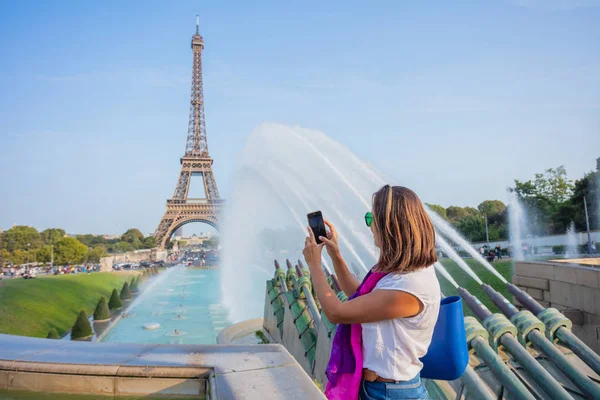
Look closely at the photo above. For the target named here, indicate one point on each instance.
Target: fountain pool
(185, 309)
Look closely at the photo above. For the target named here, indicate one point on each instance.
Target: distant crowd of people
(30, 272)
(494, 253)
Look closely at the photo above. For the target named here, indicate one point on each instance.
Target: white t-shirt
(392, 348)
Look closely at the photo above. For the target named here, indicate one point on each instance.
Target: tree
(53, 334)
(69, 250)
(491, 208)
(122, 247)
(149, 242)
(18, 257)
(134, 285)
(131, 235)
(102, 313)
(44, 254)
(4, 257)
(95, 254)
(17, 238)
(82, 328)
(52, 235)
(441, 211)
(125, 292)
(588, 187)
(137, 244)
(544, 199)
(455, 213)
(115, 301)
(472, 227)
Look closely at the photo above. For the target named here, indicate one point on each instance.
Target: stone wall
(137, 256)
(571, 288)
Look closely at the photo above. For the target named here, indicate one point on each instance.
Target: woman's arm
(347, 281)
(378, 305)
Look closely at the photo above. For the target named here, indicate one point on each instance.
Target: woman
(387, 324)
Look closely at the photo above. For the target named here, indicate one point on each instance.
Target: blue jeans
(413, 389)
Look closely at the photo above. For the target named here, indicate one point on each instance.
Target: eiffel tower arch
(182, 209)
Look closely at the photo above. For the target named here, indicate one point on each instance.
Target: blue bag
(448, 355)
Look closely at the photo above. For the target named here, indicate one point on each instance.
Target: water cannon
(557, 327)
(280, 277)
(304, 268)
(531, 331)
(503, 332)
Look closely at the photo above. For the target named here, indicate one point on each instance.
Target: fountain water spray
(272, 194)
(456, 258)
(148, 291)
(516, 223)
(571, 247)
(446, 229)
(440, 268)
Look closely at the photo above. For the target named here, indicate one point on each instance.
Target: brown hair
(405, 232)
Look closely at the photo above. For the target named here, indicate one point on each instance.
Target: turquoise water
(182, 299)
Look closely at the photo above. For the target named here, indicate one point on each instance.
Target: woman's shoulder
(421, 276)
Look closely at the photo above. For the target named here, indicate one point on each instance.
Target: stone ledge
(115, 368)
(528, 282)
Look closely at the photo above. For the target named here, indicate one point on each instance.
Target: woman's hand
(331, 241)
(312, 251)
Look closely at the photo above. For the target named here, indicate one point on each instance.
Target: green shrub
(82, 328)
(52, 334)
(102, 313)
(125, 292)
(559, 249)
(115, 301)
(133, 286)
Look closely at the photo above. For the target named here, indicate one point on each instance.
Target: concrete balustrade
(571, 288)
(250, 372)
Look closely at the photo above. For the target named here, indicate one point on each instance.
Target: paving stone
(565, 274)
(220, 357)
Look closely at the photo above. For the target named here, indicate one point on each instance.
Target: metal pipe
(304, 284)
(476, 388)
(506, 377)
(541, 376)
(562, 333)
(525, 299)
(518, 352)
(586, 354)
(540, 341)
(281, 278)
(557, 358)
(336, 284)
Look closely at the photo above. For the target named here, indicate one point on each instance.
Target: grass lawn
(504, 267)
(32, 307)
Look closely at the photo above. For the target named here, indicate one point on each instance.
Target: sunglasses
(369, 218)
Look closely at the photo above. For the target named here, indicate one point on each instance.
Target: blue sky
(453, 99)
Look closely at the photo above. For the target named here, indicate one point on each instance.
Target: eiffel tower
(181, 209)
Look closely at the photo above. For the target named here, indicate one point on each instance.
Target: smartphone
(315, 221)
